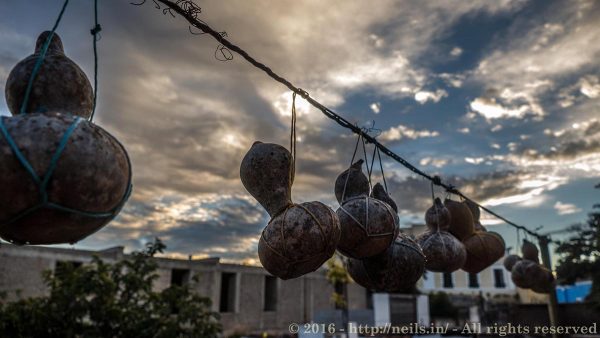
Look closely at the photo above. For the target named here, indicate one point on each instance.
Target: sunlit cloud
(565, 208)
(403, 132)
(375, 107)
(423, 96)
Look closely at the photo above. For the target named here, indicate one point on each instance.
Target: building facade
(249, 300)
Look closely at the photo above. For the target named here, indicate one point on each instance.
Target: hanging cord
(348, 172)
(383, 174)
(437, 212)
(372, 163)
(293, 139)
(95, 37)
(40, 59)
(518, 248)
(369, 170)
(377, 153)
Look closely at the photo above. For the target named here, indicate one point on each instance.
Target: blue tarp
(573, 293)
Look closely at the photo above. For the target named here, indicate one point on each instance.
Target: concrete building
(249, 300)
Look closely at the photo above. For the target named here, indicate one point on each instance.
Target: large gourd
(510, 261)
(397, 269)
(476, 213)
(368, 225)
(483, 250)
(59, 86)
(58, 195)
(299, 238)
(351, 182)
(382, 195)
(530, 251)
(438, 217)
(545, 281)
(461, 220)
(443, 251)
(526, 273)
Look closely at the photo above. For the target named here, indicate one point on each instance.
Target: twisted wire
(192, 18)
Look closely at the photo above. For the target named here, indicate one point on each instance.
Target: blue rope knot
(42, 183)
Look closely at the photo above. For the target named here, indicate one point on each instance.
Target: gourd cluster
(365, 228)
(526, 271)
(62, 176)
(457, 240)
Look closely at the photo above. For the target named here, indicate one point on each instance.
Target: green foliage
(580, 255)
(336, 273)
(110, 300)
(440, 306)
(338, 277)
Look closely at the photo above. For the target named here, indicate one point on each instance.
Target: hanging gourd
(461, 220)
(397, 269)
(381, 194)
(59, 86)
(443, 251)
(368, 225)
(483, 250)
(530, 251)
(526, 273)
(545, 281)
(299, 238)
(62, 177)
(510, 261)
(474, 208)
(476, 213)
(351, 182)
(437, 217)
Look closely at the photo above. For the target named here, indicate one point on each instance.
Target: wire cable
(183, 8)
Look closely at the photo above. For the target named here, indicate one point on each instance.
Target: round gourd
(474, 208)
(461, 220)
(545, 283)
(59, 86)
(483, 250)
(443, 252)
(526, 273)
(395, 270)
(368, 226)
(355, 182)
(530, 251)
(92, 175)
(510, 261)
(299, 240)
(437, 217)
(380, 194)
(499, 249)
(267, 175)
(479, 227)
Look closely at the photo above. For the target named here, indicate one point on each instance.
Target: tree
(111, 300)
(580, 255)
(338, 277)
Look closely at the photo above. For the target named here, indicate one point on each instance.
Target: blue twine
(40, 59)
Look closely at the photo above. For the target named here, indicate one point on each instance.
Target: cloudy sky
(500, 98)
